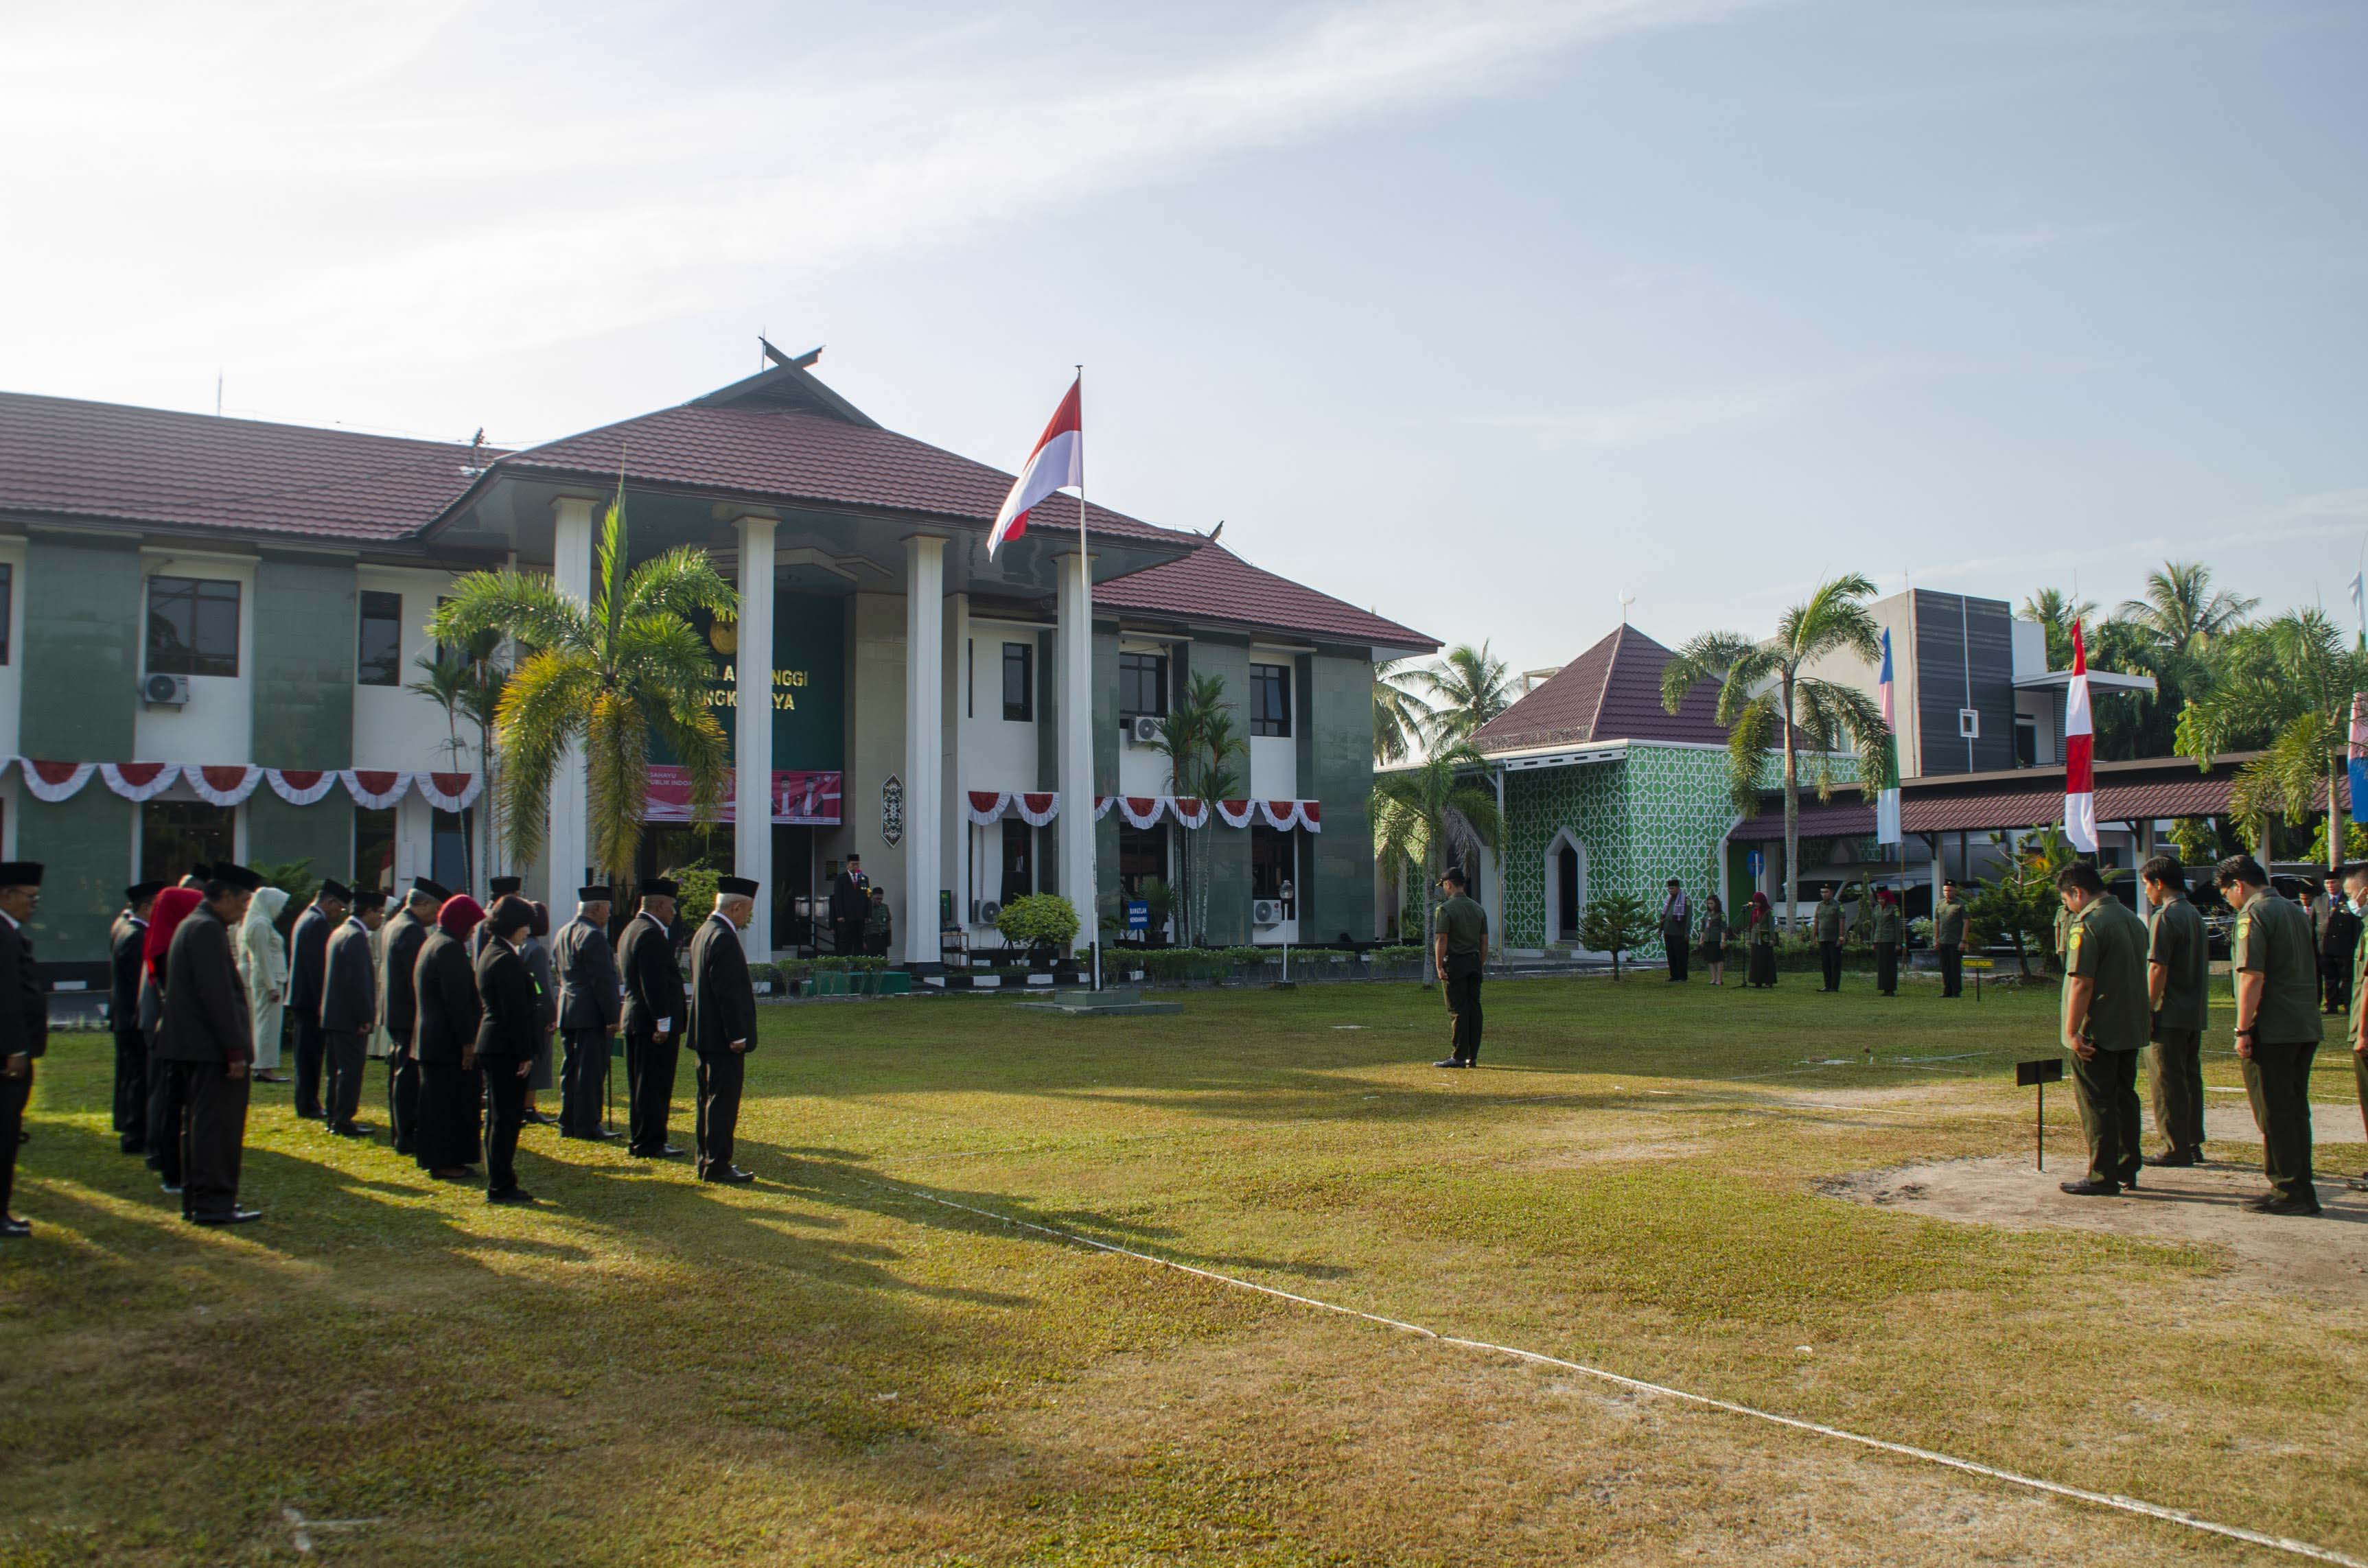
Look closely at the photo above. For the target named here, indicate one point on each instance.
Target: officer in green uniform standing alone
(2106, 1010)
(2278, 1027)
(2356, 884)
(2178, 977)
(1828, 924)
(1462, 954)
(1950, 940)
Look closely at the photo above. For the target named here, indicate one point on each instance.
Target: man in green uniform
(1463, 952)
(2105, 1013)
(2356, 884)
(2277, 1028)
(2177, 967)
(1828, 924)
(1950, 937)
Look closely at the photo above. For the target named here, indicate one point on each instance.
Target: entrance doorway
(1565, 878)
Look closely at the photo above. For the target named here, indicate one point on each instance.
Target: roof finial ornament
(1625, 600)
(800, 362)
(1215, 531)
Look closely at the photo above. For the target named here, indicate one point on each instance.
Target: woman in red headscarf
(451, 1092)
(1761, 938)
(173, 906)
(1889, 928)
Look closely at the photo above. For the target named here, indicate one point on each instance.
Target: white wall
(217, 726)
(998, 752)
(394, 728)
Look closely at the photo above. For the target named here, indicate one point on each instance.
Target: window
(7, 582)
(448, 842)
(1274, 863)
(2026, 745)
(1143, 685)
(1019, 860)
(177, 835)
(192, 626)
(379, 661)
(1141, 856)
(1270, 700)
(374, 848)
(1018, 681)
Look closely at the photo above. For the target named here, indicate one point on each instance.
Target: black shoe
(2090, 1188)
(267, 1077)
(12, 1226)
(2273, 1203)
(135, 1148)
(732, 1175)
(2177, 1157)
(227, 1216)
(405, 1150)
(667, 1152)
(350, 1130)
(169, 1186)
(514, 1195)
(1453, 1062)
(536, 1118)
(310, 1115)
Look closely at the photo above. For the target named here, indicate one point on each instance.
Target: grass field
(829, 1368)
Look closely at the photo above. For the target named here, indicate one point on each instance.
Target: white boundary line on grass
(1906, 1450)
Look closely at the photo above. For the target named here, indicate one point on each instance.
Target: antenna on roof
(218, 384)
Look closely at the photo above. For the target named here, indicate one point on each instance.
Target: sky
(1486, 316)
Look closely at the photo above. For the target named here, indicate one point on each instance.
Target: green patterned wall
(1658, 813)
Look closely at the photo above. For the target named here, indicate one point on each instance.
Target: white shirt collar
(728, 925)
(11, 920)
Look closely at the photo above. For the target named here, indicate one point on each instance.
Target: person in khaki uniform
(2106, 1014)
(1890, 931)
(2178, 981)
(2278, 1027)
(1951, 935)
(1462, 955)
(2356, 884)
(1826, 921)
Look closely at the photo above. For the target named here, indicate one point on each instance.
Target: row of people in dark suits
(463, 1011)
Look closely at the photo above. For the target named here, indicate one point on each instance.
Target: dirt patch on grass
(2199, 1206)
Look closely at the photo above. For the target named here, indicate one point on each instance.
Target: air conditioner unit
(988, 911)
(164, 691)
(1266, 912)
(1143, 730)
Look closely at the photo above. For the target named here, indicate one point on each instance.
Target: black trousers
(14, 1093)
(649, 1082)
(2108, 1095)
(583, 1076)
(1673, 940)
(1952, 972)
(131, 1090)
(1829, 959)
(1886, 968)
(402, 1098)
(505, 1113)
(344, 1056)
(213, 1137)
(2335, 979)
(165, 1098)
(1463, 1015)
(720, 1076)
(310, 1044)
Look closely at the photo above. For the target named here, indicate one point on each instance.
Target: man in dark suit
(348, 1010)
(507, 1034)
(125, 945)
(398, 1007)
(588, 1011)
(308, 954)
(722, 1024)
(654, 1016)
(497, 890)
(24, 1023)
(850, 901)
(208, 1040)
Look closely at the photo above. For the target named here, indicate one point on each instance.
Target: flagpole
(1092, 913)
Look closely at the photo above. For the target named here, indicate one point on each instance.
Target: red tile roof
(1612, 692)
(794, 454)
(66, 458)
(1213, 583)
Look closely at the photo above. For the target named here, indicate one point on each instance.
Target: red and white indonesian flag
(1059, 459)
(2079, 775)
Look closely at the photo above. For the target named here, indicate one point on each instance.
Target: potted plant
(1043, 923)
(1158, 903)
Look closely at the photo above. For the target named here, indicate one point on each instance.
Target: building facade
(212, 629)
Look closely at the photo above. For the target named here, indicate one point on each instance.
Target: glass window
(192, 626)
(1143, 685)
(1018, 683)
(177, 835)
(1141, 856)
(1269, 702)
(1019, 860)
(449, 838)
(1274, 862)
(7, 599)
(374, 849)
(379, 661)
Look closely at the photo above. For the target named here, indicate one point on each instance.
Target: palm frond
(530, 609)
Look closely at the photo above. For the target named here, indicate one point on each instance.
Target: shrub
(694, 892)
(1614, 923)
(1039, 920)
(771, 973)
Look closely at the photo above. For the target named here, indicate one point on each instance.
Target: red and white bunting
(140, 780)
(375, 791)
(1191, 812)
(1234, 813)
(301, 786)
(1310, 815)
(1102, 804)
(1037, 809)
(227, 784)
(56, 781)
(984, 807)
(1141, 812)
(450, 791)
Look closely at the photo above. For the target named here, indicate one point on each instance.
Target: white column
(953, 828)
(1077, 745)
(752, 730)
(924, 742)
(566, 843)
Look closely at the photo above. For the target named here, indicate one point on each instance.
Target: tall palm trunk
(1791, 816)
(1430, 921)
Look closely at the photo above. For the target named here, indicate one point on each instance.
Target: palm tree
(2055, 610)
(1400, 718)
(1206, 755)
(606, 676)
(1430, 813)
(1765, 701)
(2181, 611)
(1466, 687)
(2288, 687)
(465, 680)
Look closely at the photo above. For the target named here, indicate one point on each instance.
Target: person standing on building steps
(1951, 936)
(722, 1025)
(2179, 993)
(125, 944)
(308, 962)
(588, 1012)
(2106, 1009)
(1677, 929)
(850, 901)
(1889, 929)
(398, 1007)
(348, 1011)
(1826, 922)
(207, 1037)
(1461, 950)
(2278, 1027)
(653, 1020)
(24, 1024)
